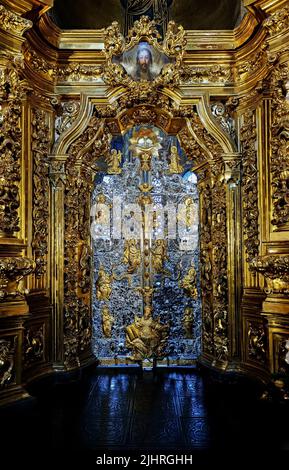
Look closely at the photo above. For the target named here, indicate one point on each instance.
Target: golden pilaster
(233, 190)
(57, 186)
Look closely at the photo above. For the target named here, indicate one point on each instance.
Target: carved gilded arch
(173, 105)
(88, 140)
(71, 134)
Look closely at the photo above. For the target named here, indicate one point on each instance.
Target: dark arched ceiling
(192, 14)
(206, 14)
(87, 14)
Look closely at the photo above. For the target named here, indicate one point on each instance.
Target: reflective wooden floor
(174, 411)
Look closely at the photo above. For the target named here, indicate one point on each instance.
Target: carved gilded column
(220, 281)
(253, 188)
(221, 260)
(38, 203)
(57, 187)
(12, 28)
(232, 176)
(205, 192)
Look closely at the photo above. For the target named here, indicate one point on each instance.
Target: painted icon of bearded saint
(144, 62)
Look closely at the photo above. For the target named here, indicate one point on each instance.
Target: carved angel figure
(114, 161)
(146, 336)
(103, 285)
(107, 321)
(189, 283)
(159, 255)
(175, 164)
(132, 256)
(188, 322)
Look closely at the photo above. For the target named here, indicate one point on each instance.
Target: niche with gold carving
(145, 233)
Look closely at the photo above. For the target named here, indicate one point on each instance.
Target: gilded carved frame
(72, 170)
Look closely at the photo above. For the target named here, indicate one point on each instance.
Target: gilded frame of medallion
(144, 30)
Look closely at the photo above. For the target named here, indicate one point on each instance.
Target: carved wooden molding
(12, 271)
(13, 23)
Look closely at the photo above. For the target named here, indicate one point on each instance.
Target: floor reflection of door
(145, 237)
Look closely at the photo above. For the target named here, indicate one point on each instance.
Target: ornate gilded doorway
(101, 144)
(146, 303)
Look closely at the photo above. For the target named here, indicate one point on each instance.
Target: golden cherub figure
(114, 161)
(175, 162)
(147, 293)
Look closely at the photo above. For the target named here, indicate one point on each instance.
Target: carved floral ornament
(72, 72)
(13, 89)
(278, 22)
(12, 271)
(248, 136)
(12, 22)
(280, 147)
(12, 80)
(275, 269)
(40, 145)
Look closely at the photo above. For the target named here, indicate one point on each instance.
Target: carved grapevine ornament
(280, 149)
(250, 186)
(40, 150)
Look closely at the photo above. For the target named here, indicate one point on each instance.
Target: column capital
(13, 270)
(275, 269)
(13, 24)
(232, 163)
(57, 173)
(22, 7)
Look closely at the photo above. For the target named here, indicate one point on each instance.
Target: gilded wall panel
(206, 266)
(77, 252)
(10, 169)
